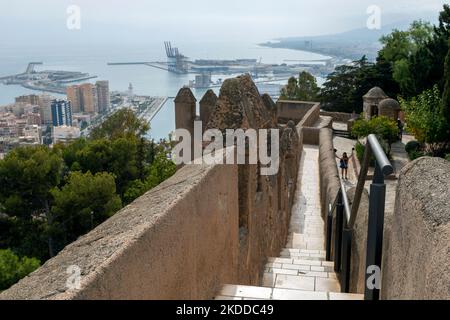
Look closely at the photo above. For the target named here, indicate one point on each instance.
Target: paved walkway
(300, 272)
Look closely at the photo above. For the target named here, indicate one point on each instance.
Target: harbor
(54, 81)
(206, 69)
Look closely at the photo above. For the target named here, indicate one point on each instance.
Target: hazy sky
(43, 21)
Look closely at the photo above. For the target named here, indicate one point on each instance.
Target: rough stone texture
(172, 243)
(416, 251)
(272, 108)
(371, 101)
(264, 201)
(186, 112)
(359, 243)
(240, 106)
(207, 106)
(329, 176)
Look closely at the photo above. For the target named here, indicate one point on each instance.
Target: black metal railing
(345, 219)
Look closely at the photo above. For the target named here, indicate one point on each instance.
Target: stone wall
(264, 201)
(329, 176)
(311, 135)
(359, 243)
(337, 116)
(416, 250)
(172, 243)
(293, 110)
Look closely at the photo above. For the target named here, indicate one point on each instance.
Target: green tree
(289, 92)
(85, 201)
(344, 89)
(426, 119)
(303, 89)
(14, 268)
(426, 65)
(121, 124)
(160, 170)
(400, 47)
(27, 175)
(446, 93)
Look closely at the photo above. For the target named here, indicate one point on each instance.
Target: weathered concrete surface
(312, 116)
(359, 243)
(311, 134)
(329, 176)
(338, 116)
(416, 251)
(172, 243)
(294, 110)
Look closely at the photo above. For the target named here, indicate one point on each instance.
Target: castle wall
(293, 110)
(178, 241)
(337, 116)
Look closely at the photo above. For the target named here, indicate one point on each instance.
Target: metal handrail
(346, 204)
(346, 217)
(372, 147)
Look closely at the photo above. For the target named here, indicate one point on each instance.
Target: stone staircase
(300, 272)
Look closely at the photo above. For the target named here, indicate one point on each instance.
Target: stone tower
(186, 112)
(389, 108)
(371, 102)
(207, 105)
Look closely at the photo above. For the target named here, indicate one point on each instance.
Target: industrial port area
(48, 80)
(207, 72)
(204, 69)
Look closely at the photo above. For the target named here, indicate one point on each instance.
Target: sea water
(146, 80)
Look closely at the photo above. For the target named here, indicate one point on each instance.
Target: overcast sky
(42, 21)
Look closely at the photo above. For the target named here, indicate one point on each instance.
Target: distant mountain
(351, 44)
(362, 35)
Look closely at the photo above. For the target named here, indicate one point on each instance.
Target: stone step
(269, 278)
(297, 254)
(240, 292)
(299, 261)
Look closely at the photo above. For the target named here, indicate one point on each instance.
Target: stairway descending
(300, 272)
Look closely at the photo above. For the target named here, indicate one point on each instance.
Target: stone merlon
(185, 95)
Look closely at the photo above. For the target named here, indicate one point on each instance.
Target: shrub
(13, 268)
(447, 157)
(415, 154)
(427, 120)
(385, 129)
(412, 146)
